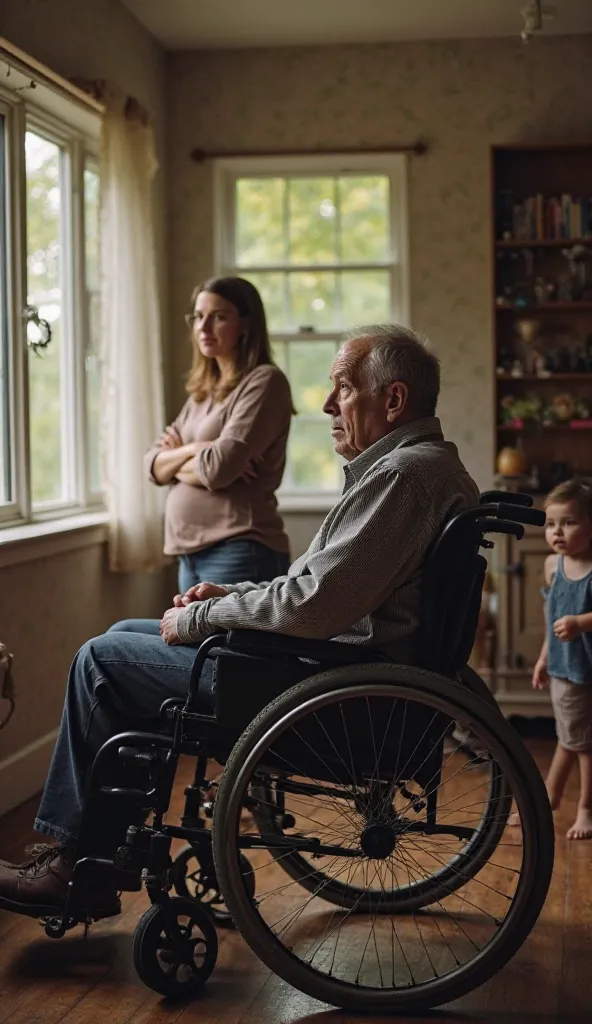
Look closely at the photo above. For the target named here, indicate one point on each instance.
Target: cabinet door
(526, 621)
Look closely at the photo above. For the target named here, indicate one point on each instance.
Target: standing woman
(224, 455)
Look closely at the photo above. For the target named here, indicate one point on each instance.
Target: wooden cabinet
(518, 572)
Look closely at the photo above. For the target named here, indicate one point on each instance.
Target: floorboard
(82, 981)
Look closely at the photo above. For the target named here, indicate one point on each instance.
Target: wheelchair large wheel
(270, 815)
(375, 795)
(410, 894)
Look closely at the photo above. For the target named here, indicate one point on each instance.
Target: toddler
(565, 661)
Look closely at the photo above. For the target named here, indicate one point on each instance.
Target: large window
(325, 243)
(49, 191)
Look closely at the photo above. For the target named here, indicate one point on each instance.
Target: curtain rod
(39, 73)
(417, 148)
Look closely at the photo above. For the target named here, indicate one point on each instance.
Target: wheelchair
(362, 851)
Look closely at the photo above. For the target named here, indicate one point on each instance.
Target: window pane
(365, 296)
(364, 211)
(313, 301)
(5, 488)
(312, 220)
(309, 365)
(260, 221)
(272, 289)
(279, 351)
(313, 464)
(92, 355)
(44, 291)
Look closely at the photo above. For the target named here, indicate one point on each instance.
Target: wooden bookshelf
(540, 191)
(562, 327)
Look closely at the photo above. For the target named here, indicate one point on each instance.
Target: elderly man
(359, 582)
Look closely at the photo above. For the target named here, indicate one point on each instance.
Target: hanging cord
(7, 692)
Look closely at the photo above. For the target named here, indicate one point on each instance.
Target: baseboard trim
(23, 773)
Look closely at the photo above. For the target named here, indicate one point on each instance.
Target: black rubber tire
(419, 895)
(514, 760)
(148, 942)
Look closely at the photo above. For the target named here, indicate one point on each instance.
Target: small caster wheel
(286, 821)
(192, 880)
(175, 947)
(55, 928)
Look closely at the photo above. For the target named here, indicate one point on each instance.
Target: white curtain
(133, 391)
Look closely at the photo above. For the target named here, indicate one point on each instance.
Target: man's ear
(397, 400)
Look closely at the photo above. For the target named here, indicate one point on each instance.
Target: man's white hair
(398, 353)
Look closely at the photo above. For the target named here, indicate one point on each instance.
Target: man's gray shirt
(360, 580)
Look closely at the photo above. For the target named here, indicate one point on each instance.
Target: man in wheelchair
(359, 583)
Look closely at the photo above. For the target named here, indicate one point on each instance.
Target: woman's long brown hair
(254, 348)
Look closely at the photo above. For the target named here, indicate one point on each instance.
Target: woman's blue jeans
(231, 561)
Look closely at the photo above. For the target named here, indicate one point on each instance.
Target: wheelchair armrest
(490, 525)
(254, 641)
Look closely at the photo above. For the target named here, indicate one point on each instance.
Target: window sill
(319, 503)
(48, 537)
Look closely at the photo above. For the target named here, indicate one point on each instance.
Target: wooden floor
(78, 981)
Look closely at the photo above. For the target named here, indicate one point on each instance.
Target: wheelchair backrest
(453, 575)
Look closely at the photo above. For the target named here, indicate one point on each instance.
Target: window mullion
(78, 320)
(17, 300)
(68, 397)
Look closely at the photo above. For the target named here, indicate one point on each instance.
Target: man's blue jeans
(117, 681)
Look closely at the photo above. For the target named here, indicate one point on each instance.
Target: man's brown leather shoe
(38, 887)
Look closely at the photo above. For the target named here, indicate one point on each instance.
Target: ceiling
(226, 24)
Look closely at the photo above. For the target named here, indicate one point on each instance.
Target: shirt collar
(400, 437)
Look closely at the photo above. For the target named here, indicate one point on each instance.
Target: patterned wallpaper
(460, 96)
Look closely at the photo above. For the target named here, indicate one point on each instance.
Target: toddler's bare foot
(582, 826)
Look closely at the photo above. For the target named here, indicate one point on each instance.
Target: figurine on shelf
(527, 330)
(565, 288)
(540, 291)
(505, 362)
(578, 257)
(517, 369)
(564, 407)
(540, 365)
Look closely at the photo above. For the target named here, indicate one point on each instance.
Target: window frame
(65, 122)
(227, 170)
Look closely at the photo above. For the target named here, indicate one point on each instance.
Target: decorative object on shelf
(579, 287)
(520, 412)
(517, 369)
(517, 411)
(511, 462)
(505, 362)
(528, 331)
(540, 367)
(564, 407)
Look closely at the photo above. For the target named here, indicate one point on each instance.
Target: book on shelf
(540, 218)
